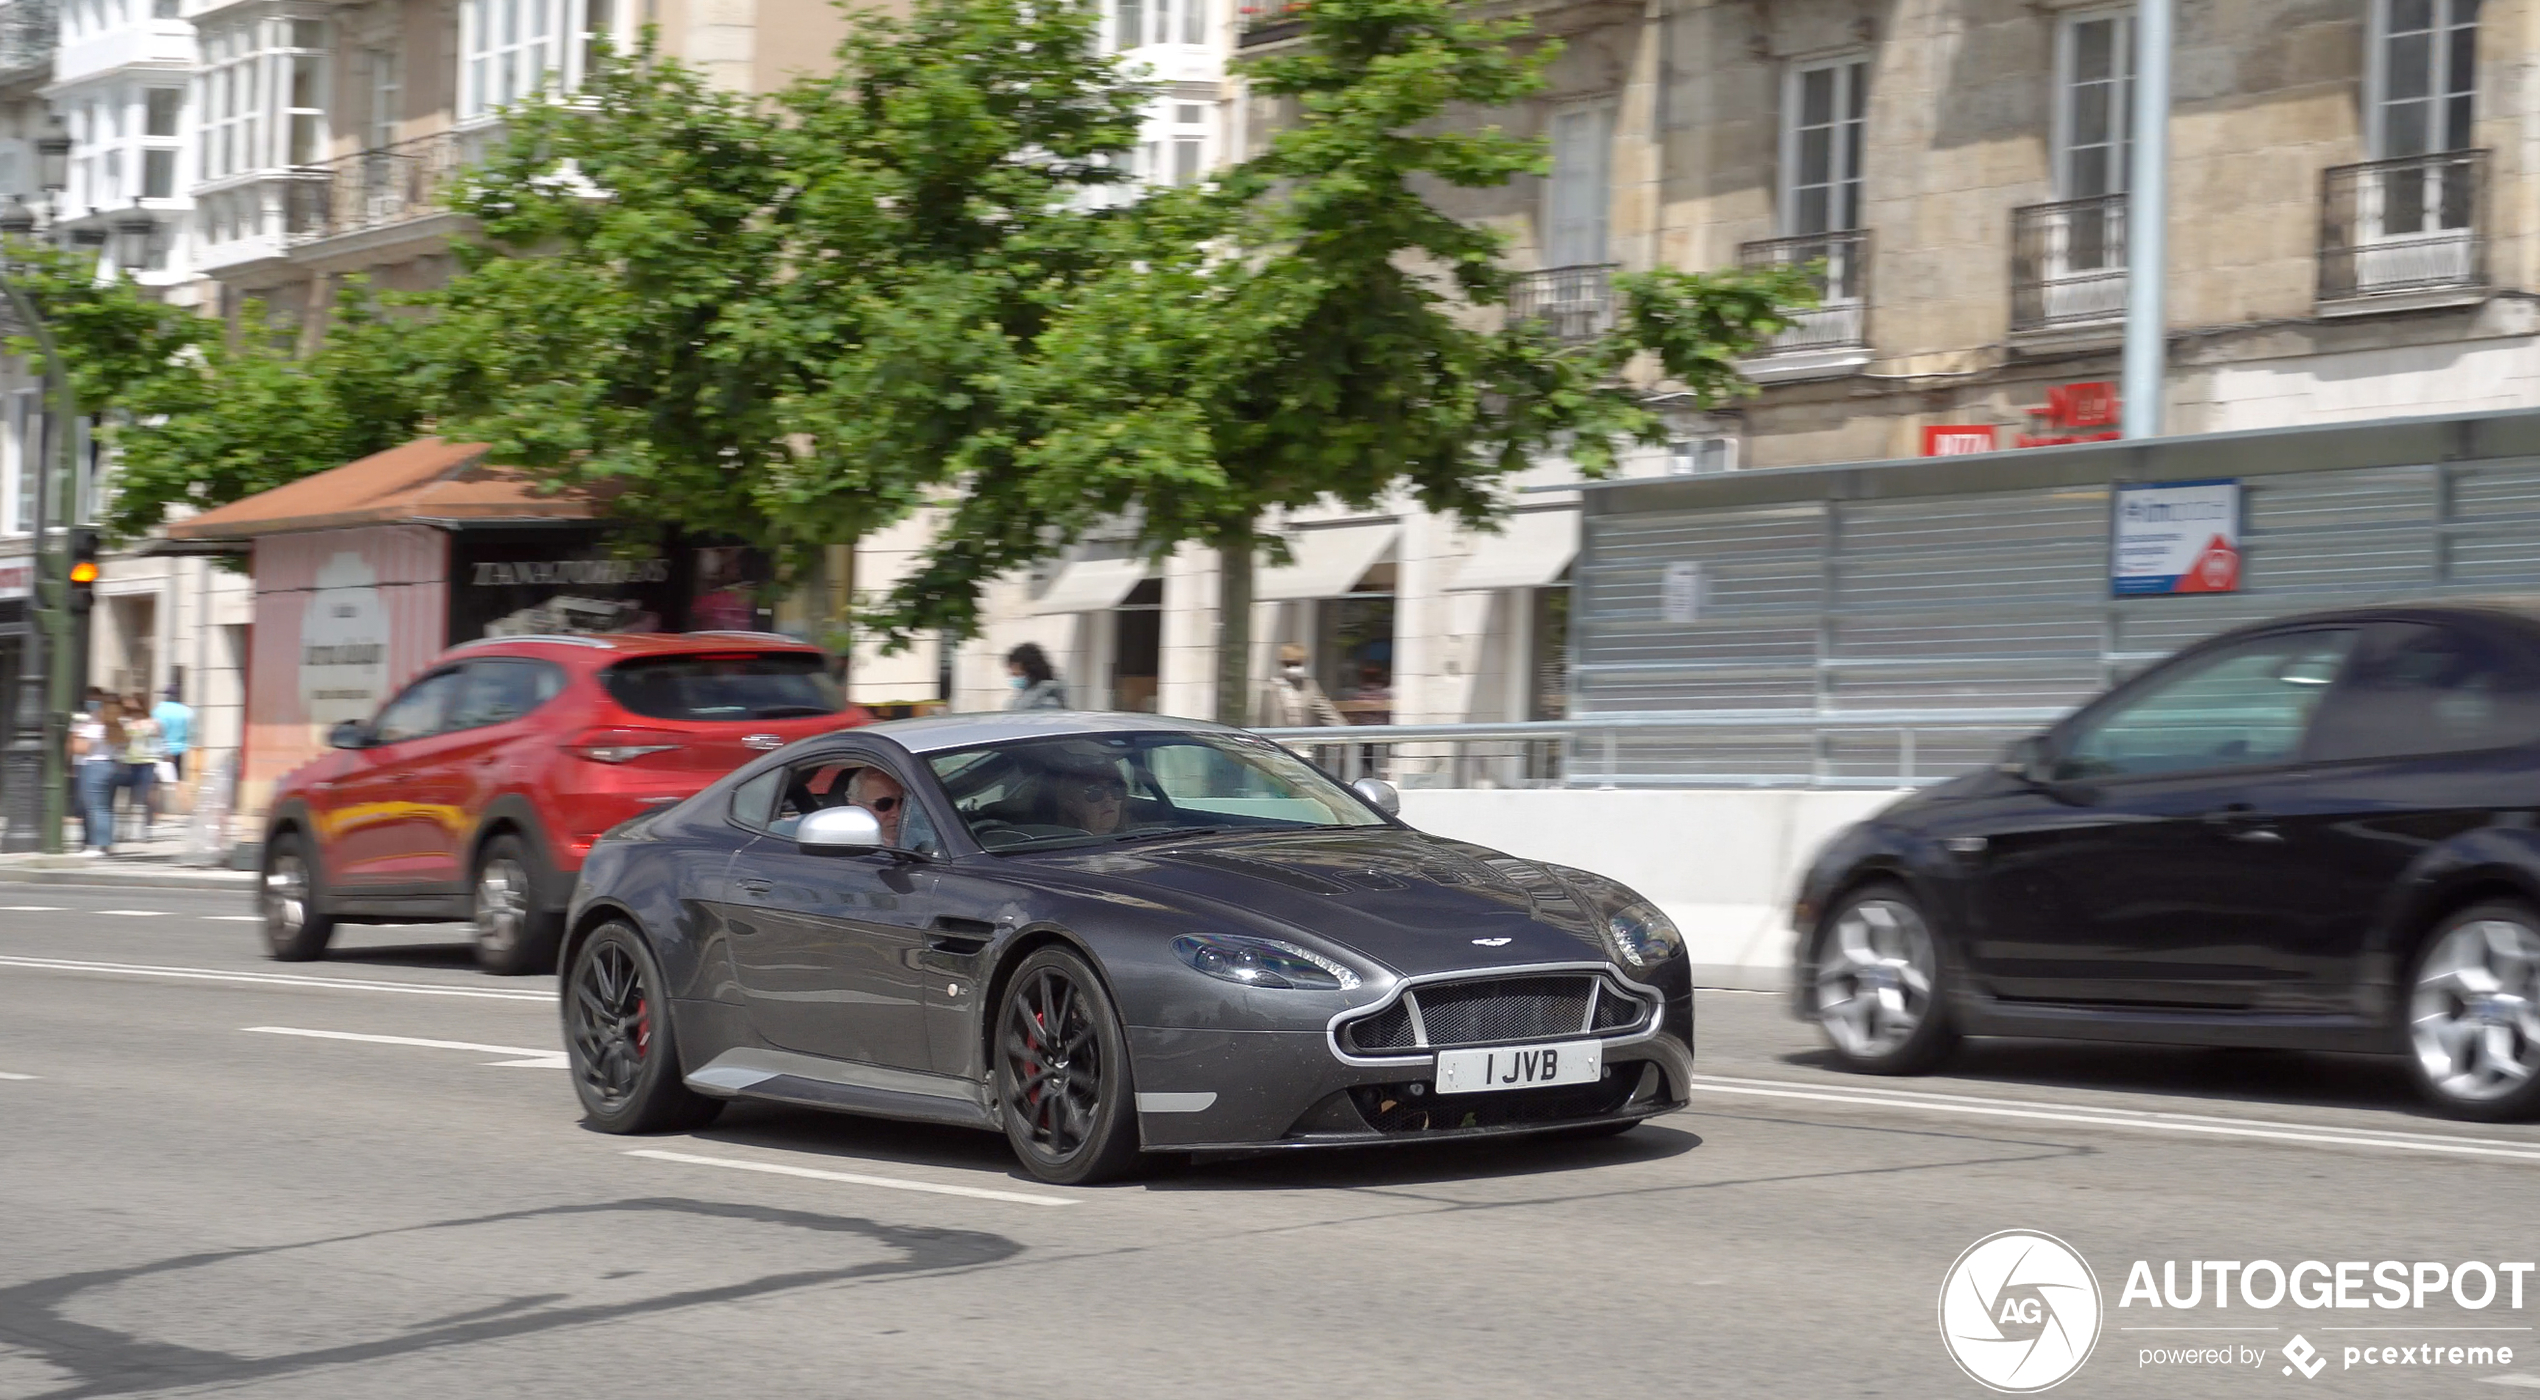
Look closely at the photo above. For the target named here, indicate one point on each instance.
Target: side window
(423, 709)
(2241, 707)
(808, 788)
(2430, 690)
(753, 802)
(499, 691)
(840, 782)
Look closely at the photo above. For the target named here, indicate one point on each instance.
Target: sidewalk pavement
(154, 864)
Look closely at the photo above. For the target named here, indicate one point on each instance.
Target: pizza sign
(2176, 537)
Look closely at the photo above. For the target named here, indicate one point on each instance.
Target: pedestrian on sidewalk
(176, 730)
(1293, 699)
(96, 739)
(1036, 683)
(141, 754)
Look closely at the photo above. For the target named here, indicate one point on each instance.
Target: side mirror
(1384, 796)
(2026, 760)
(351, 734)
(838, 831)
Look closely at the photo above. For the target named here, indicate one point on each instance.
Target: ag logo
(2019, 1311)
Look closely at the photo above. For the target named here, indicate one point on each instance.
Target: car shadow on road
(2311, 1079)
(420, 955)
(866, 1142)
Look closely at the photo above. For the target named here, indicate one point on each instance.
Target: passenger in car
(881, 794)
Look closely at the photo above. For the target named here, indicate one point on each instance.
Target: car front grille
(1495, 1011)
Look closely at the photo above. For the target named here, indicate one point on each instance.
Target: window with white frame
(510, 49)
(1580, 188)
(263, 94)
(2423, 76)
(1825, 112)
(1138, 23)
(162, 113)
(2094, 104)
(383, 82)
(1190, 141)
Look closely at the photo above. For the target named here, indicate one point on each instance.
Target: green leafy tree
(785, 319)
(229, 416)
(1315, 329)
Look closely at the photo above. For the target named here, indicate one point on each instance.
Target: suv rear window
(760, 685)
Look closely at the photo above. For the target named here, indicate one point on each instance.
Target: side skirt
(782, 1076)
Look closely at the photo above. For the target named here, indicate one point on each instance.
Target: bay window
(263, 90)
(512, 49)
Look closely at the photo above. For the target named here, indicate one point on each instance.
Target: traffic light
(83, 594)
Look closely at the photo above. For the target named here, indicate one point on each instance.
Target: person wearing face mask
(1036, 685)
(1292, 700)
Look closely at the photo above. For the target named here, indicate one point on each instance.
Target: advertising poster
(514, 583)
(2176, 537)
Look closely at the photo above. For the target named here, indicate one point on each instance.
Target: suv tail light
(616, 745)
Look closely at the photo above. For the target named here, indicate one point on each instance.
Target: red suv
(477, 791)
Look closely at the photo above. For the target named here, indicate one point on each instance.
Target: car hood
(1413, 902)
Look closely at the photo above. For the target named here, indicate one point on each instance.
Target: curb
(141, 878)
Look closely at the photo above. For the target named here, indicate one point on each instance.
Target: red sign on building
(2074, 413)
(1957, 439)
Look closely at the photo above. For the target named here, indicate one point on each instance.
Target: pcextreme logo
(2019, 1311)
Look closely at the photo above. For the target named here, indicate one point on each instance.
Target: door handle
(2241, 822)
(753, 886)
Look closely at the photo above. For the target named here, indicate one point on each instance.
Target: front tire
(2472, 1031)
(295, 930)
(619, 1040)
(1063, 1078)
(514, 936)
(1880, 995)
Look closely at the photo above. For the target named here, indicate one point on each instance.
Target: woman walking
(1036, 686)
(142, 750)
(97, 739)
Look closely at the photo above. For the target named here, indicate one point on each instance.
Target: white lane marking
(521, 1057)
(235, 918)
(4, 1074)
(2127, 1118)
(32, 908)
(889, 1183)
(275, 979)
(133, 913)
(2514, 1378)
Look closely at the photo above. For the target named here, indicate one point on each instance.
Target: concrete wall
(1722, 863)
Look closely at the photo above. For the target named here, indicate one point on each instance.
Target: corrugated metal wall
(1988, 599)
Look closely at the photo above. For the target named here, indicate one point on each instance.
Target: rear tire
(1063, 1075)
(2470, 1027)
(295, 930)
(514, 936)
(1881, 994)
(619, 1040)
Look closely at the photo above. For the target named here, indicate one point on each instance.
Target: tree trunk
(1234, 628)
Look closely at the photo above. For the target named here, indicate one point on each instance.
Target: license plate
(1519, 1067)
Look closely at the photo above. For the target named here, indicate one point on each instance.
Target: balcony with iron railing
(2068, 267)
(374, 189)
(1833, 337)
(1572, 303)
(2401, 234)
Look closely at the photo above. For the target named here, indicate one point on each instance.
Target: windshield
(1093, 790)
(738, 686)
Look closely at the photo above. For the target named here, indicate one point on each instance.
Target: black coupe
(2316, 833)
(1101, 934)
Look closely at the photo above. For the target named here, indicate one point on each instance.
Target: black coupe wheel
(620, 1042)
(513, 935)
(294, 929)
(1063, 1073)
(1879, 995)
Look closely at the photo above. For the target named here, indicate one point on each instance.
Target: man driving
(1092, 798)
(881, 794)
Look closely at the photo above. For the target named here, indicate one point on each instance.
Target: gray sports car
(1103, 934)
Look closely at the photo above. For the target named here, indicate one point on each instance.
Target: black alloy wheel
(513, 935)
(1063, 1076)
(295, 930)
(619, 1040)
(1879, 993)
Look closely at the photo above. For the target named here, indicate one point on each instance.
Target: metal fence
(2068, 263)
(1885, 623)
(1841, 316)
(374, 188)
(2411, 225)
(1573, 303)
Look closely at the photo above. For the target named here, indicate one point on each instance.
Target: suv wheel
(294, 929)
(2473, 1014)
(1879, 994)
(513, 935)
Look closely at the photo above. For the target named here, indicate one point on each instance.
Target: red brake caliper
(643, 1028)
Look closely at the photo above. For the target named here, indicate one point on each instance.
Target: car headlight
(1262, 962)
(1644, 936)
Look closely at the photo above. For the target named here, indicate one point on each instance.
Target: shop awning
(1091, 585)
(426, 481)
(1327, 562)
(1530, 552)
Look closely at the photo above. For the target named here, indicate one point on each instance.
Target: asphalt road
(366, 1177)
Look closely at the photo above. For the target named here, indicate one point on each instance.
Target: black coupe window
(1097, 789)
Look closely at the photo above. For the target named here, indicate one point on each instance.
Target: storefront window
(1354, 648)
(1550, 693)
(1137, 651)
